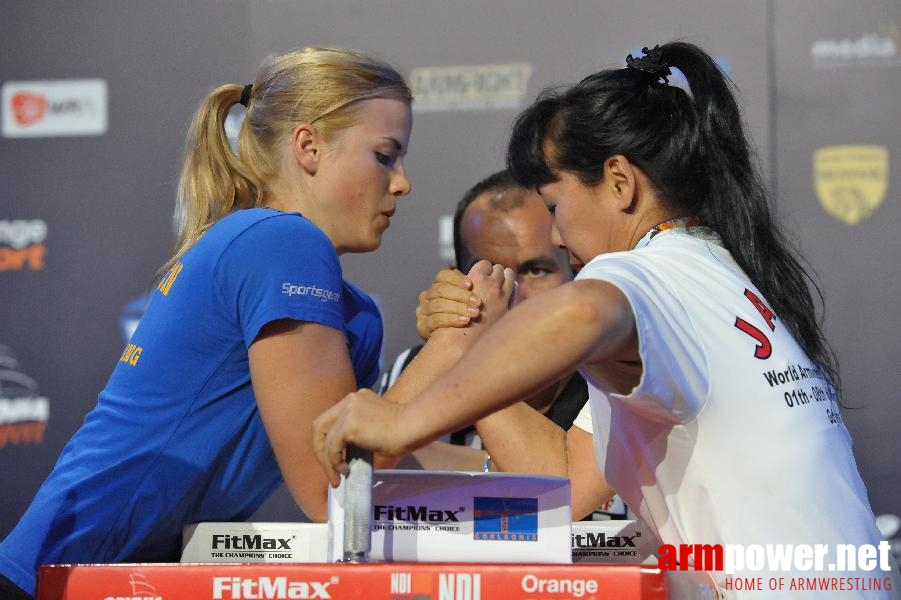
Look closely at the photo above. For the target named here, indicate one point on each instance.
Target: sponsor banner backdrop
(90, 168)
(837, 142)
(86, 220)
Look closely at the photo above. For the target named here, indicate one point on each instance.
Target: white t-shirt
(731, 436)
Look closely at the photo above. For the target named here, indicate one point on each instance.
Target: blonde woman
(251, 332)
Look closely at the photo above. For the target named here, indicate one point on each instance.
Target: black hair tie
(652, 62)
(245, 95)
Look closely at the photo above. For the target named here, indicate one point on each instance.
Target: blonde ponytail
(312, 85)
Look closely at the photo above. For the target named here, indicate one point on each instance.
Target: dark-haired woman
(714, 402)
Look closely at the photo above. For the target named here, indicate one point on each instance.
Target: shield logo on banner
(851, 181)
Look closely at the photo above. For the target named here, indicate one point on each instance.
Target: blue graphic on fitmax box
(505, 519)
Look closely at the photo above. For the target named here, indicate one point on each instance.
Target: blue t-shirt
(176, 436)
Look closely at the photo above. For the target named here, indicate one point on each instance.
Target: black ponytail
(693, 149)
(738, 208)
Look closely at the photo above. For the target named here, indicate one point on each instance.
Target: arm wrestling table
(357, 579)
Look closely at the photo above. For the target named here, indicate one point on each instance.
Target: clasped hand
(365, 419)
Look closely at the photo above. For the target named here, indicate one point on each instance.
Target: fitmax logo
(249, 542)
(590, 540)
(269, 588)
(415, 513)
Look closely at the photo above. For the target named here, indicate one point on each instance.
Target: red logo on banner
(28, 108)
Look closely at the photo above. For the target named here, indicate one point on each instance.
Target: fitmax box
(223, 542)
(603, 542)
(451, 516)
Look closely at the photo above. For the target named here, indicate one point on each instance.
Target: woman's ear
(619, 174)
(306, 146)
